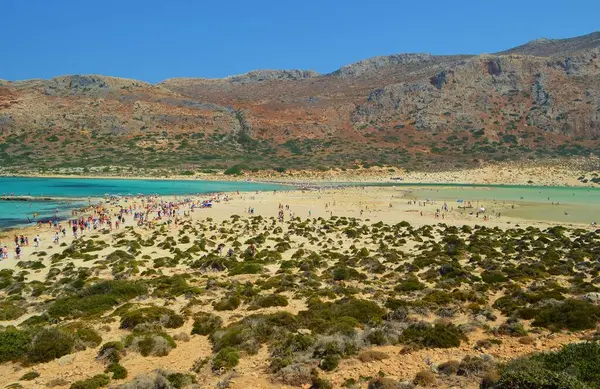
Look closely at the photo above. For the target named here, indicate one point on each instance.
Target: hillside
(420, 111)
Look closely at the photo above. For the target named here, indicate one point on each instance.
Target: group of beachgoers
(145, 212)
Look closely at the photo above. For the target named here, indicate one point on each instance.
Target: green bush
(526, 373)
(274, 300)
(226, 358)
(492, 277)
(117, 370)
(409, 285)
(235, 170)
(574, 366)
(96, 299)
(206, 323)
(246, 268)
(151, 343)
(29, 376)
(84, 336)
(14, 344)
(323, 317)
(433, 336)
(49, 344)
(10, 311)
(180, 380)
(250, 332)
(95, 382)
(229, 303)
(574, 315)
(110, 352)
(330, 362)
(166, 317)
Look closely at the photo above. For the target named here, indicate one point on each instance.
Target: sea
(70, 193)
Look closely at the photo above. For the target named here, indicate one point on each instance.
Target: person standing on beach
(18, 252)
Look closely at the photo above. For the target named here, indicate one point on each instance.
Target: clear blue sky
(153, 40)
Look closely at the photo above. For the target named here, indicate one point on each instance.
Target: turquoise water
(558, 204)
(535, 194)
(14, 213)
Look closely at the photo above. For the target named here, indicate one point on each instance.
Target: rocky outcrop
(377, 63)
(496, 92)
(556, 47)
(272, 75)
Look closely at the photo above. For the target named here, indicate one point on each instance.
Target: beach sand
(387, 204)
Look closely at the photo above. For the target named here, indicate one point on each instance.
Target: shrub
(436, 336)
(10, 311)
(511, 327)
(88, 336)
(330, 362)
(274, 300)
(526, 373)
(110, 352)
(14, 344)
(527, 340)
(323, 317)
(449, 367)
(295, 375)
(229, 303)
(29, 376)
(318, 382)
(180, 380)
(96, 299)
(117, 370)
(84, 336)
(49, 344)
(424, 378)
(166, 317)
(151, 343)
(574, 315)
(383, 383)
(410, 284)
(235, 170)
(95, 382)
(475, 365)
(206, 323)
(574, 366)
(226, 358)
(246, 268)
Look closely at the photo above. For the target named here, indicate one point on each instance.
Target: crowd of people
(111, 214)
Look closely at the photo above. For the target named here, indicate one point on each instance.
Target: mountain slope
(556, 47)
(414, 110)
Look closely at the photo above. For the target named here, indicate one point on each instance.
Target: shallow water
(559, 204)
(536, 194)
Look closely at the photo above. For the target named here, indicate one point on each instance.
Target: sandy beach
(369, 204)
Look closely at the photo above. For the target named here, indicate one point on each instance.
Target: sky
(153, 40)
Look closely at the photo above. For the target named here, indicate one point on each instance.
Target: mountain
(421, 111)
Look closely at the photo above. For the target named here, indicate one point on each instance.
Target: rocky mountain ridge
(539, 100)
